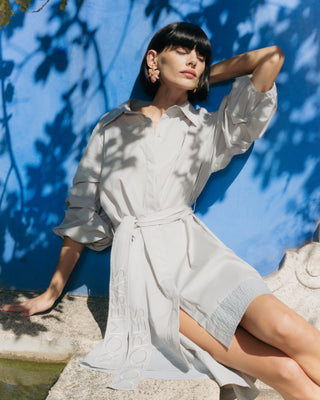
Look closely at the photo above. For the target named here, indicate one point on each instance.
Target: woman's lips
(189, 74)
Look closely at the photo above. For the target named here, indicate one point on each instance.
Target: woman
(144, 167)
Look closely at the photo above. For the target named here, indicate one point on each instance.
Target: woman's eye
(200, 57)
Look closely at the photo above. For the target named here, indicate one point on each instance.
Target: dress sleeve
(85, 221)
(243, 117)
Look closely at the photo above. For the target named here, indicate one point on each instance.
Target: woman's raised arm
(264, 65)
(69, 255)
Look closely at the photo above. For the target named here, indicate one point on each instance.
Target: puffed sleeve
(85, 221)
(243, 117)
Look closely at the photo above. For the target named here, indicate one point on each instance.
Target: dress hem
(223, 322)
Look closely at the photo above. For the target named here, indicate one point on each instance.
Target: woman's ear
(152, 59)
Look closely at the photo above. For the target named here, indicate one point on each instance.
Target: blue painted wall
(61, 70)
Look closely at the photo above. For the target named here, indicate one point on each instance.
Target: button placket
(150, 165)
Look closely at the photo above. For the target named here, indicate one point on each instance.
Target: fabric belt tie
(127, 342)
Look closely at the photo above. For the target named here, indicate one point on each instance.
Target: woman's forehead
(184, 46)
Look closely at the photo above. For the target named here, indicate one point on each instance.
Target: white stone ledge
(297, 281)
(43, 348)
(76, 325)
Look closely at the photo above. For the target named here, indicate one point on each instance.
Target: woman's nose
(192, 60)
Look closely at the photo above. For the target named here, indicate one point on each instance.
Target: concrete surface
(77, 324)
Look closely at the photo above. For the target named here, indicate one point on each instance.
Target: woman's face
(180, 67)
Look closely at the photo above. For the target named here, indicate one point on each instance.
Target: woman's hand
(33, 306)
(264, 65)
(69, 255)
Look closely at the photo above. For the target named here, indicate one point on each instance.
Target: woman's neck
(168, 97)
(163, 99)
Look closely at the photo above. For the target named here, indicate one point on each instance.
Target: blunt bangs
(179, 34)
(182, 34)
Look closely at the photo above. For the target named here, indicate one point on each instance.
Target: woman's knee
(286, 370)
(284, 331)
(274, 323)
(289, 333)
(286, 376)
(289, 378)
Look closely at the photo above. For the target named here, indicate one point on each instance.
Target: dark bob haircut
(182, 34)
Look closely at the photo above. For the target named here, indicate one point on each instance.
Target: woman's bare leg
(251, 356)
(270, 320)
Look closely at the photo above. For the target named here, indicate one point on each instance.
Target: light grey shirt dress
(135, 188)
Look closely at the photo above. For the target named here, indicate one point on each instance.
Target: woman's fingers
(25, 309)
(30, 307)
(15, 307)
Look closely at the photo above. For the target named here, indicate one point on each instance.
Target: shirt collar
(113, 114)
(189, 111)
(125, 108)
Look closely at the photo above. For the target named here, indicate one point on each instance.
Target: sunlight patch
(8, 247)
(307, 54)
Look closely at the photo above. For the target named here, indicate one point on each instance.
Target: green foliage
(63, 4)
(6, 11)
(24, 4)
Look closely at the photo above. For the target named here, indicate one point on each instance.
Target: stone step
(71, 330)
(77, 383)
(77, 324)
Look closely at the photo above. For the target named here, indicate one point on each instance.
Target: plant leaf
(5, 12)
(63, 4)
(24, 4)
